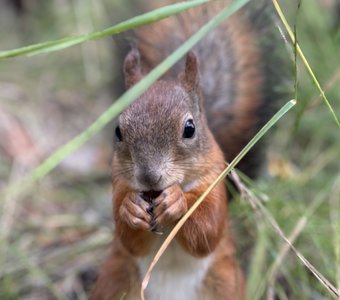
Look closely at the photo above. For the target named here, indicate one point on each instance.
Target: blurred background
(54, 237)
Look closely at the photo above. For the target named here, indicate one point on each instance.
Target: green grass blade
(125, 100)
(258, 261)
(263, 130)
(305, 62)
(134, 22)
(335, 223)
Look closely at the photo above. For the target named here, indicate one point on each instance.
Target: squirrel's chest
(177, 274)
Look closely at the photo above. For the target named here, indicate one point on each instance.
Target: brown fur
(205, 231)
(221, 89)
(224, 280)
(230, 64)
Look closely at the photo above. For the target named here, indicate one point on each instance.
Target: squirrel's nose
(149, 178)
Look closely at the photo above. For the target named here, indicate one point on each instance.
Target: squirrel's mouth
(150, 195)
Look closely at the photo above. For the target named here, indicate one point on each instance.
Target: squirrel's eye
(189, 129)
(118, 134)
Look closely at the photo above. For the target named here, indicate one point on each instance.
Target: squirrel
(172, 143)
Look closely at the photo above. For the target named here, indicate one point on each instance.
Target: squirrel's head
(162, 137)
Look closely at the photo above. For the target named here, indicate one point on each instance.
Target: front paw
(135, 211)
(169, 207)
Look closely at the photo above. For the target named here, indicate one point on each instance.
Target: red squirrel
(172, 143)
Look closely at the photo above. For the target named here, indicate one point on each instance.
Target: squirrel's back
(165, 156)
(237, 66)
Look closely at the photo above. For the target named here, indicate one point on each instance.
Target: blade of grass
(258, 261)
(335, 223)
(299, 113)
(230, 167)
(134, 22)
(304, 60)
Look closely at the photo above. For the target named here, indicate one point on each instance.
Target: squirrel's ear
(132, 68)
(191, 77)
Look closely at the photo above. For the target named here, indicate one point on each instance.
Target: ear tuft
(190, 78)
(132, 68)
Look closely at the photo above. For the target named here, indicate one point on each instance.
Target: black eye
(118, 134)
(189, 129)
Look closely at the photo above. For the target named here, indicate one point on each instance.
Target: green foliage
(66, 42)
(304, 156)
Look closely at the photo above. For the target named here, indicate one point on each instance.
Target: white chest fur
(177, 274)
